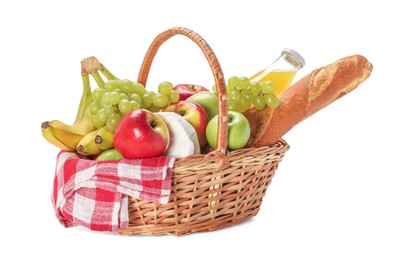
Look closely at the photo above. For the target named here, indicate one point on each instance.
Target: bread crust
(310, 94)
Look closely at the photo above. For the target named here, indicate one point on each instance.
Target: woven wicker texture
(209, 191)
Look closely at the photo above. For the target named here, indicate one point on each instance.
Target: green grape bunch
(244, 94)
(113, 100)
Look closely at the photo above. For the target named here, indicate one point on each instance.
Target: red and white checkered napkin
(94, 194)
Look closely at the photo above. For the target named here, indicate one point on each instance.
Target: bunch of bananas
(82, 137)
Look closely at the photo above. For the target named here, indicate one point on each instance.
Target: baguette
(307, 96)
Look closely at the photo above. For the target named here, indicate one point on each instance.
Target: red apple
(141, 134)
(194, 114)
(187, 90)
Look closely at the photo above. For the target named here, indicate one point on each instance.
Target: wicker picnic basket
(209, 191)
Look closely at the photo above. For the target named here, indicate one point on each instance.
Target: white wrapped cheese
(183, 137)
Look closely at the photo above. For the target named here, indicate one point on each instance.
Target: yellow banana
(63, 135)
(58, 135)
(48, 133)
(88, 146)
(85, 100)
(68, 137)
(83, 127)
(104, 138)
(90, 66)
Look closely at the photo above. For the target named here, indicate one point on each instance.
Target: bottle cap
(295, 55)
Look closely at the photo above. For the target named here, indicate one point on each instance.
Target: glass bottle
(282, 71)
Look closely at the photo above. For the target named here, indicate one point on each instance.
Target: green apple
(238, 131)
(208, 100)
(111, 154)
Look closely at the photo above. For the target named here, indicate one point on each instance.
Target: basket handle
(222, 131)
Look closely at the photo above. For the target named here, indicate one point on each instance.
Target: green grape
(259, 102)
(127, 86)
(105, 98)
(94, 107)
(247, 94)
(98, 93)
(255, 87)
(110, 98)
(154, 109)
(165, 88)
(118, 90)
(96, 122)
(101, 116)
(152, 93)
(111, 85)
(232, 105)
(271, 101)
(243, 105)
(135, 97)
(173, 96)
(110, 109)
(139, 89)
(235, 95)
(214, 88)
(268, 87)
(89, 113)
(160, 100)
(111, 128)
(233, 82)
(114, 98)
(113, 121)
(135, 105)
(244, 83)
(146, 100)
(124, 106)
(229, 88)
(124, 96)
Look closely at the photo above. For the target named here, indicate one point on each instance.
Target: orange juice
(281, 79)
(282, 71)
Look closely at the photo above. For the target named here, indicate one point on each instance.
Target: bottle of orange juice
(282, 71)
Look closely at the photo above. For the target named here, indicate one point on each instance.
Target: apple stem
(230, 118)
(182, 112)
(152, 123)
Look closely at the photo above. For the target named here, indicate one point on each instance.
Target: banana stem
(98, 79)
(86, 98)
(86, 84)
(107, 73)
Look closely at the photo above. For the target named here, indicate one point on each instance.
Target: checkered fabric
(95, 194)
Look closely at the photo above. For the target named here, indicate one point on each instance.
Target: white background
(338, 194)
